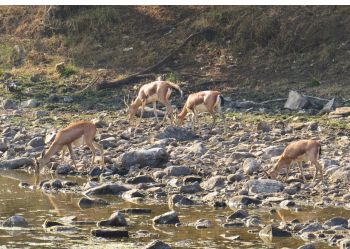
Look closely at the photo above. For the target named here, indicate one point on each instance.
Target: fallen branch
(136, 76)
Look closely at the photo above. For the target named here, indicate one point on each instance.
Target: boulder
(179, 200)
(16, 163)
(154, 158)
(64, 169)
(213, 182)
(157, 244)
(203, 223)
(313, 227)
(250, 166)
(190, 188)
(197, 149)
(133, 195)
(177, 171)
(140, 179)
(109, 233)
(15, 221)
(238, 214)
(296, 101)
(264, 186)
(117, 219)
(108, 189)
(242, 200)
(271, 231)
(272, 151)
(87, 202)
(36, 142)
(166, 218)
(336, 221)
(9, 104)
(179, 133)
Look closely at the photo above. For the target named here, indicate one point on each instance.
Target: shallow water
(36, 206)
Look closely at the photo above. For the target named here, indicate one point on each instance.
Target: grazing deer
(298, 152)
(151, 93)
(77, 133)
(205, 101)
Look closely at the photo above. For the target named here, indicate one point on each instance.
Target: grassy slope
(257, 53)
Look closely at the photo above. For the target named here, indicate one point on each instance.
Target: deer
(199, 102)
(77, 133)
(153, 92)
(306, 150)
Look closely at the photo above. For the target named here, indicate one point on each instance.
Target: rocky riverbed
(217, 176)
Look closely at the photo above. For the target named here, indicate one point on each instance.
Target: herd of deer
(84, 132)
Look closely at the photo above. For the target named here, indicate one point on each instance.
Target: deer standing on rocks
(298, 152)
(205, 101)
(151, 93)
(77, 133)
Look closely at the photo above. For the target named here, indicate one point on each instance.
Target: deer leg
(287, 173)
(93, 150)
(64, 148)
(100, 147)
(155, 111)
(301, 170)
(142, 111)
(318, 167)
(71, 154)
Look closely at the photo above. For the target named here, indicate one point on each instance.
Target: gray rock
(154, 158)
(117, 219)
(263, 126)
(203, 223)
(264, 186)
(37, 142)
(270, 232)
(109, 142)
(190, 188)
(245, 104)
(272, 151)
(64, 169)
(307, 246)
(166, 218)
(87, 202)
(3, 146)
(68, 99)
(179, 133)
(9, 104)
(179, 200)
(133, 195)
(140, 179)
(197, 149)
(237, 177)
(36, 77)
(336, 221)
(240, 155)
(242, 200)
(296, 101)
(250, 166)
(132, 211)
(103, 233)
(341, 175)
(213, 182)
(95, 171)
(157, 244)
(177, 171)
(238, 214)
(313, 227)
(192, 179)
(233, 224)
(344, 244)
(286, 204)
(30, 103)
(49, 223)
(15, 221)
(16, 163)
(108, 189)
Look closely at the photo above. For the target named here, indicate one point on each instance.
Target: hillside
(255, 52)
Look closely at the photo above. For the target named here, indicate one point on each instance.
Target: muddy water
(37, 206)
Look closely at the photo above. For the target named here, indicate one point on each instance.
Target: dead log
(138, 76)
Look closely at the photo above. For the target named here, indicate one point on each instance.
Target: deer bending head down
(77, 133)
(151, 93)
(205, 101)
(298, 152)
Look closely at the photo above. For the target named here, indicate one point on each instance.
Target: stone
(68, 99)
(166, 218)
(16, 163)
(190, 188)
(233, 224)
(9, 104)
(179, 200)
(109, 233)
(116, 219)
(60, 67)
(37, 142)
(192, 179)
(30, 103)
(179, 133)
(250, 166)
(132, 211)
(108, 189)
(197, 149)
(344, 244)
(157, 244)
(340, 112)
(154, 158)
(307, 246)
(238, 214)
(95, 172)
(15, 221)
(340, 175)
(245, 104)
(64, 169)
(177, 171)
(49, 223)
(36, 77)
(264, 186)
(236, 177)
(240, 155)
(133, 195)
(140, 179)
(272, 151)
(87, 202)
(286, 204)
(3, 146)
(263, 126)
(313, 227)
(203, 223)
(336, 221)
(272, 231)
(296, 101)
(242, 200)
(213, 182)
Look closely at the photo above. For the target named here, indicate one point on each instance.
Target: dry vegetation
(255, 49)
